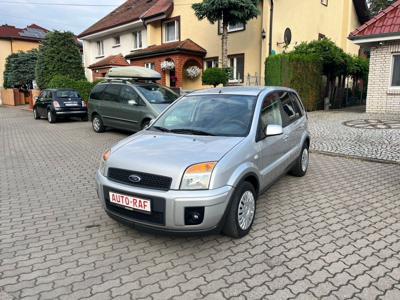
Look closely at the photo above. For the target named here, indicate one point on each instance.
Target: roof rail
(125, 79)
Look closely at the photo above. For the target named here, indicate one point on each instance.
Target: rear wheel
(301, 165)
(242, 211)
(51, 117)
(35, 114)
(97, 124)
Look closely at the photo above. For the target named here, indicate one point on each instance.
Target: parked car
(59, 103)
(125, 102)
(202, 163)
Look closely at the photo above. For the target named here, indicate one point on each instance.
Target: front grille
(157, 208)
(147, 180)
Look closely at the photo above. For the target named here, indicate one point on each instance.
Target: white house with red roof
(381, 35)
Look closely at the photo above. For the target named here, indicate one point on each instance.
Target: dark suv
(57, 103)
(127, 104)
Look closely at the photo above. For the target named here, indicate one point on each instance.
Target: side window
(111, 92)
(288, 111)
(298, 106)
(127, 94)
(270, 112)
(97, 91)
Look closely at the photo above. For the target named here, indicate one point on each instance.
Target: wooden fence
(15, 97)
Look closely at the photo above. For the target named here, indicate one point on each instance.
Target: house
(166, 36)
(382, 36)
(13, 40)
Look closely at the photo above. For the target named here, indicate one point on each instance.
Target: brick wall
(180, 63)
(381, 98)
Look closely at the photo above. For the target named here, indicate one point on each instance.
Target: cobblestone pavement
(330, 134)
(333, 234)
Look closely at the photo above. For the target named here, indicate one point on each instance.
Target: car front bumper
(214, 202)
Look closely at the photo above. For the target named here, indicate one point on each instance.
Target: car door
(272, 148)
(133, 108)
(300, 124)
(39, 103)
(110, 106)
(291, 121)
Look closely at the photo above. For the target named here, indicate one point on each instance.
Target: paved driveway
(333, 234)
(353, 132)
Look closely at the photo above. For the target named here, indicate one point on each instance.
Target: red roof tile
(181, 46)
(161, 7)
(112, 60)
(32, 32)
(129, 11)
(386, 22)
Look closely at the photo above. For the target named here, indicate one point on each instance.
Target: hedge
(297, 71)
(82, 86)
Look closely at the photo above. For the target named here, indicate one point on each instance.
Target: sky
(65, 15)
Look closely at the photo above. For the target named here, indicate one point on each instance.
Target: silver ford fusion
(200, 166)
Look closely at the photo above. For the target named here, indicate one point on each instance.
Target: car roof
(240, 90)
(62, 89)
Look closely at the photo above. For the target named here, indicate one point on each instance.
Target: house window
(231, 27)
(117, 40)
(150, 65)
(324, 2)
(396, 71)
(100, 48)
(211, 63)
(236, 63)
(137, 40)
(171, 31)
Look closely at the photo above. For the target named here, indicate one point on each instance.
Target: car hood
(168, 154)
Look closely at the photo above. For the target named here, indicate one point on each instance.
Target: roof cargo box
(133, 72)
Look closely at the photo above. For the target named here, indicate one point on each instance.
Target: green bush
(20, 69)
(298, 71)
(215, 76)
(58, 55)
(82, 86)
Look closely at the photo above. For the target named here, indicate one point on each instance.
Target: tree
(20, 69)
(228, 12)
(376, 6)
(58, 55)
(215, 76)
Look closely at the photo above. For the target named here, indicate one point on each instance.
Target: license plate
(131, 202)
(71, 104)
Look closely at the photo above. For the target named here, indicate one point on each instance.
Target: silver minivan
(200, 166)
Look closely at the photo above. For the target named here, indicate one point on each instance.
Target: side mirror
(273, 130)
(132, 102)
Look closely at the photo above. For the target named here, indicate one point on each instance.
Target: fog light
(194, 215)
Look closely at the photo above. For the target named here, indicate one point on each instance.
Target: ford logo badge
(134, 178)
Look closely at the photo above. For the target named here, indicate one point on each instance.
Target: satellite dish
(287, 36)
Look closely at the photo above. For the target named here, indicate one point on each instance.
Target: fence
(15, 97)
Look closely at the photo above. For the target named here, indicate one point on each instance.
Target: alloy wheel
(304, 160)
(246, 210)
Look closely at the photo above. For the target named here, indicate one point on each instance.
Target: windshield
(67, 94)
(220, 115)
(156, 94)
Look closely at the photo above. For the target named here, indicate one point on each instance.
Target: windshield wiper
(161, 128)
(190, 131)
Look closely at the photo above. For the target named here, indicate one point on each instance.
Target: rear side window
(97, 91)
(111, 92)
(297, 104)
(289, 114)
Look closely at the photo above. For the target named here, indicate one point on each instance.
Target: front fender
(243, 170)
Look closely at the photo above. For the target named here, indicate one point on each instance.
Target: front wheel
(241, 212)
(97, 124)
(51, 117)
(301, 165)
(35, 114)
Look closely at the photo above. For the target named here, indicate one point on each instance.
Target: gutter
(271, 22)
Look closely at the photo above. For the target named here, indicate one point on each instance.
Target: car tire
(242, 211)
(85, 118)
(51, 117)
(35, 114)
(97, 124)
(301, 165)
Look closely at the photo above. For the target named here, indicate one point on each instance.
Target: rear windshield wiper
(161, 128)
(190, 131)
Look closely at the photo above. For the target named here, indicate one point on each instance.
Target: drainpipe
(271, 18)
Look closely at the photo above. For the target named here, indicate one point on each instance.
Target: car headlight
(56, 104)
(197, 177)
(104, 158)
